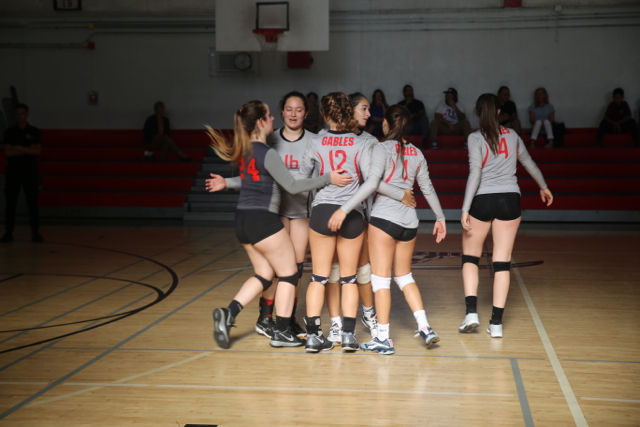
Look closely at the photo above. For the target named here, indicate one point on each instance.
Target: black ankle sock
(496, 316)
(349, 324)
(235, 308)
(313, 325)
(472, 304)
(295, 306)
(282, 323)
(266, 308)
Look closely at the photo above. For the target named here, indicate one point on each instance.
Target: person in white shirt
(450, 118)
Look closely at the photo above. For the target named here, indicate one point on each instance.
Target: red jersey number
(337, 154)
(290, 162)
(251, 170)
(503, 148)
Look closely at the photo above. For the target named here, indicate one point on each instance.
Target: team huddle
(349, 198)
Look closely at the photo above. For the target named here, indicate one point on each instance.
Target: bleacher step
(209, 216)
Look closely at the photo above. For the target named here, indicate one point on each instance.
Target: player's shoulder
(475, 137)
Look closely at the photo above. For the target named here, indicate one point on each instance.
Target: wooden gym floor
(570, 354)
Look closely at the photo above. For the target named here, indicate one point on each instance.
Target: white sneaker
(495, 331)
(371, 323)
(469, 323)
(335, 334)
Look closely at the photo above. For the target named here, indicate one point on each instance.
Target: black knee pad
(501, 266)
(293, 279)
(470, 258)
(300, 269)
(266, 284)
(348, 279)
(323, 280)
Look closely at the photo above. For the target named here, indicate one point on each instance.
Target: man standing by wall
(22, 143)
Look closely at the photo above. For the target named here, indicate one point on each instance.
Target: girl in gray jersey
(290, 143)
(258, 227)
(393, 228)
(492, 200)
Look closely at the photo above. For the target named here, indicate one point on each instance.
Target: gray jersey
(293, 206)
(496, 173)
(262, 173)
(332, 151)
(403, 175)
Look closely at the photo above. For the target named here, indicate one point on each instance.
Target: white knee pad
(364, 274)
(334, 277)
(404, 280)
(378, 282)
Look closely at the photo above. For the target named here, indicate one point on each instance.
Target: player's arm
(429, 193)
(276, 168)
(476, 149)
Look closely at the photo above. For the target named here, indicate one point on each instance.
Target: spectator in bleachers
(378, 108)
(542, 113)
(157, 136)
(22, 145)
(618, 119)
(419, 122)
(450, 118)
(508, 112)
(313, 121)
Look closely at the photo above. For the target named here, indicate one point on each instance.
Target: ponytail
(244, 123)
(398, 118)
(487, 107)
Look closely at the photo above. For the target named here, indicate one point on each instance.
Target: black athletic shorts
(253, 226)
(352, 226)
(502, 206)
(394, 230)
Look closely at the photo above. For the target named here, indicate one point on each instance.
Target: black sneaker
(286, 339)
(222, 323)
(265, 326)
(37, 237)
(316, 343)
(349, 342)
(8, 237)
(297, 329)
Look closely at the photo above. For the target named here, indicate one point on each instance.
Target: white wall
(578, 61)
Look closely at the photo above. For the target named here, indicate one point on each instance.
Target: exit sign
(67, 4)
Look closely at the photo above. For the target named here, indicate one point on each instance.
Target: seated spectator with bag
(157, 136)
(618, 119)
(541, 113)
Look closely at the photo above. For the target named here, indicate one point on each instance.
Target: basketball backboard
(305, 24)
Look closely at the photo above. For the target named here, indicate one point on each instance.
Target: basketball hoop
(268, 38)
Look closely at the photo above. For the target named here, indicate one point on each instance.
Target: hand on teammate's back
(340, 178)
(408, 199)
(217, 183)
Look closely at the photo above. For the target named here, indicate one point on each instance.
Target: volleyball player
(393, 228)
(258, 227)
(492, 200)
(361, 114)
(290, 142)
(337, 221)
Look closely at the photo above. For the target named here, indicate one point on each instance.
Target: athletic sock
(235, 308)
(383, 331)
(421, 318)
(282, 323)
(295, 306)
(368, 311)
(496, 315)
(472, 304)
(266, 308)
(313, 325)
(336, 321)
(350, 324)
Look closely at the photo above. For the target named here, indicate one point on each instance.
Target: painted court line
(23, 383)
(569, 396)
(604, 399)
(599, 361)
(522, 394)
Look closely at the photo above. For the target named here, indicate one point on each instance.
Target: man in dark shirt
(22, 143)
(508, 112)
(419, 121)
(157, 135)
(618, 119)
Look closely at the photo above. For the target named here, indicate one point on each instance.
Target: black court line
(522, 394)
(114, 271)
(12, 277)
(115, 347)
